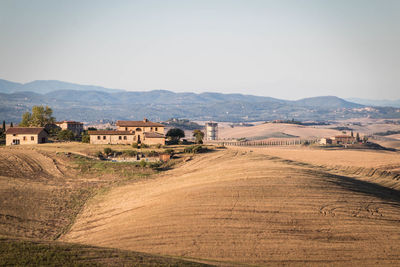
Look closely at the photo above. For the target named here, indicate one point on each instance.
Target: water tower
(211, 131)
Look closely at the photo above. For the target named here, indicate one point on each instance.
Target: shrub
(85, 138)
(65, 135)
(135, 145)
(108, 151)
(152, 153)
(142, 163)
(129, 153)
(144, 146)
(172, 142)
(154, 165)
(195, 149)
(169, 151)
(99, 154)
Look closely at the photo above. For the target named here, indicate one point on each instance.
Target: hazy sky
(284, 49)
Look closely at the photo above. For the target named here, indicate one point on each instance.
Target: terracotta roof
(343, 136)
(153, 135)
(111, 133)
(25, 130)
(138, 124)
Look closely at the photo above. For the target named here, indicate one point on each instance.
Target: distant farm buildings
(211, 131)
(338, 140)
(74, 126)
(129, 132)
(26, 136)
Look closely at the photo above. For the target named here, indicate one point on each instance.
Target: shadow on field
(360, 186)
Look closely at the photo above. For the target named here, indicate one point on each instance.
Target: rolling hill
(92, 103)
(257, 207)
(46, 86)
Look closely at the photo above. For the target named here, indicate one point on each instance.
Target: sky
(281, 48)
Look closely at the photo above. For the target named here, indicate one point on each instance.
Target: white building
(211, 131)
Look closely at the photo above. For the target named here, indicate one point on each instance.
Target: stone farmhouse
(338, 140)
(26, 136)
(74, 126)
(129, 132)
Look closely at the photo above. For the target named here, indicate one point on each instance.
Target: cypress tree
(4, 126)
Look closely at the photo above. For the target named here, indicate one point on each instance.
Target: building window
(151, 129)
(125, 137)
(24, 138)
(104, 137)
(32, 138)
(156, 129)
(98, 137)
(126, 128)
(120, 137)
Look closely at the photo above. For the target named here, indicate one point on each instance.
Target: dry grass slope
(16, 252)
(256, 207)
(41, 192)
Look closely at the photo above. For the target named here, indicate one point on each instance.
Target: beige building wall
(111, 139)
(154, 141)
(158, 129)
(74, 127)
(26, 139)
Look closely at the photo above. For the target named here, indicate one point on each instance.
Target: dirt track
(250, 207)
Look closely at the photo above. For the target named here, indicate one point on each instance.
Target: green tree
(175, 134)
(352, 134)
(108, 151)
(3, 131)
(358, 137)
(26, 119)
(11, 125)
(39, 117)
(65, 135)
(198, 135)
(85, 137)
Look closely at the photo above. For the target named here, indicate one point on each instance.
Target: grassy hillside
(14, 252)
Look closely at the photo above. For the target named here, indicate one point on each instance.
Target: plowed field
(256, 207)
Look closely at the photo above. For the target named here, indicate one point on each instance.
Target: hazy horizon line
(193, 92)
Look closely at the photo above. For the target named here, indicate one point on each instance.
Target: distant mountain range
(94, 103)
(378, 103)
(43, 87)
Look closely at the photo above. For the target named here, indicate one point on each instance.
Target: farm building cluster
(127, 132)
(338, 140)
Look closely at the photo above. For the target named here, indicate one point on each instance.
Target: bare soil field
(394, 136)
(41, 193)
(257, 206)
(271, 130)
